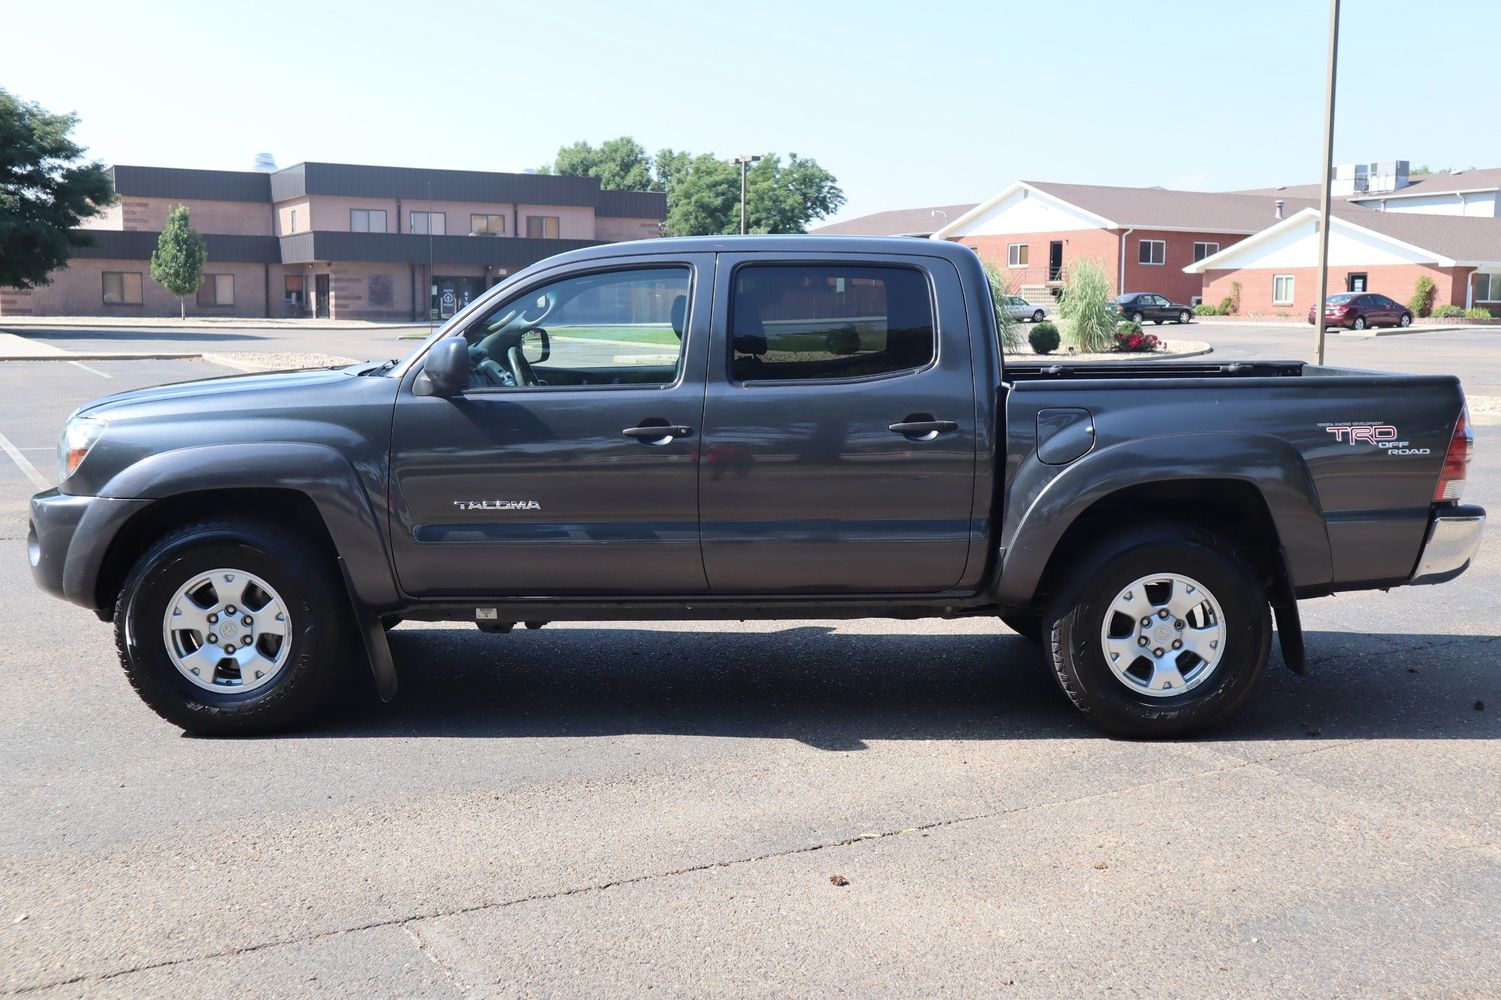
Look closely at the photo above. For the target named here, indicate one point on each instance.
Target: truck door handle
(657, 433)
(923, 430)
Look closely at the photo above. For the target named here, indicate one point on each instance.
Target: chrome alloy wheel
(227, 631)
(1163, 635)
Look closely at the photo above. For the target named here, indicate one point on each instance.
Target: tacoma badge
(497, 505)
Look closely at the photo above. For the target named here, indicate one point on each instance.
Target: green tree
(177, 261)
(1000, 290)
(45, 192)
(620, 164)
(705, 200)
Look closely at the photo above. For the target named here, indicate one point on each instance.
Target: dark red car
(1358, 310)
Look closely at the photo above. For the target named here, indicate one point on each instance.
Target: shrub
(1000, 288)
(1234, 297)
(1127, 326)
(1087, 307)
(1423, 290)
(1205, 309)
(1478, 313)
(1450, 311)
(1227, 306)
(1044, 338)
(1130, 338)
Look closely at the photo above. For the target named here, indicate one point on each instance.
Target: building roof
(1446, 239)
(897, 222)
(1160, 208)
(1429, 184)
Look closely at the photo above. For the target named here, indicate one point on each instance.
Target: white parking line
(91, 371)
(23, 463)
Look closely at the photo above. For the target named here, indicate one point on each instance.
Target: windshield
(1341, 299)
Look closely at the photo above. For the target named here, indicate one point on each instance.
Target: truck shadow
(836, 691)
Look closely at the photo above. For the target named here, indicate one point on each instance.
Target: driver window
(605, 328)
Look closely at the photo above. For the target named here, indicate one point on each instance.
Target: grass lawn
(658, 336)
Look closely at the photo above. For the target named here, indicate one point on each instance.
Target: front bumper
(1453, 539)
(68, 539)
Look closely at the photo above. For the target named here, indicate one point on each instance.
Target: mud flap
(1289, 625)
(373, 636)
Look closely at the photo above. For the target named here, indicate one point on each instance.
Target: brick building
(333, 240)
(1386, 252)
(1144, 238)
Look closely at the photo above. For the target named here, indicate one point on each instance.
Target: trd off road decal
(1372, 433)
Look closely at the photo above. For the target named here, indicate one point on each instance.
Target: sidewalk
(201, 322)
(1419, 326)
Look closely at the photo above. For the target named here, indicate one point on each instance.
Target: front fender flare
(1269, 464)
(319, 472)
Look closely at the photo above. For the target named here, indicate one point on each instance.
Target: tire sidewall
(292, 574)
(1080, 661)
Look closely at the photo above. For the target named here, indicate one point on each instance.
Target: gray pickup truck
(755, 427)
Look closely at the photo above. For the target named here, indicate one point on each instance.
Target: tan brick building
(333, 240)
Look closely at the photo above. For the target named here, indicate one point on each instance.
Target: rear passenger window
(829, 322)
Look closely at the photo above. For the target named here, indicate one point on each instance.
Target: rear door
(569, 470)
(839, 427)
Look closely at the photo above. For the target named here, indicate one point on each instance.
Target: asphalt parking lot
(604, 810)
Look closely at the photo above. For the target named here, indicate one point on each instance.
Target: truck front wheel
(229, 628)
(1166, 633)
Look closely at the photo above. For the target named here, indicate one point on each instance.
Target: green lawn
(648, 335)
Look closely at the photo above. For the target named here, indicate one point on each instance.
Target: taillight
(1451, 480)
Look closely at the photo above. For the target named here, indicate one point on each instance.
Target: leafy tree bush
(1423, 291)
(177, 261)
(1044, 338)
(1234, 298)
(1129, 338)
(1450, 311)
(1478, 313)
(45, 192)
(1205, 309)
(1000, 288)
(1087, 308)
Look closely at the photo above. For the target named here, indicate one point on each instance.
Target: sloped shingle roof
(1457, 237)
(897, 222)
(1160, 208)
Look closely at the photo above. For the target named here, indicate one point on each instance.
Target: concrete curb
(1196, 348)
(98, 356)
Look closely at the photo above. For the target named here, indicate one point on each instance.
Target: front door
(320, 296)
(839, 440)
(1055, 260)
(1355, 283)
(570, 464)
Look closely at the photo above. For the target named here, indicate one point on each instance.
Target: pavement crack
(403, 922)
(431, 954)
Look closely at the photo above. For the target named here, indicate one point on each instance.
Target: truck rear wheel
(230, 628)
(1165, 632)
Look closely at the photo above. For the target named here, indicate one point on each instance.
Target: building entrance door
(1355, 283)
(451, 293)
(1055, 260)
(320, 296)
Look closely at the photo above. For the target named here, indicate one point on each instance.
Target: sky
(907, 104)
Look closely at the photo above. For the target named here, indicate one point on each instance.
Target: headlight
(79, 436)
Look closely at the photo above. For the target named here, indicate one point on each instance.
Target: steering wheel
(516, 361)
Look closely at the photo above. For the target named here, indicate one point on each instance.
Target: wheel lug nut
(1177, 643)
(247, 620)
(1156, 652)
(230, 610)
(1141, 641)
(229, 649)
(212, 638)
(213, 619)
(246, 640)
(1146, 621)
(1162, 613)
(1178, 624)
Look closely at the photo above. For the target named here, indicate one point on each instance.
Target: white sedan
(1020, 308)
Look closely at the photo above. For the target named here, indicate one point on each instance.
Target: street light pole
(744, 161)
(1328, 164)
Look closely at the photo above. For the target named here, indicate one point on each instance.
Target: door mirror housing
(445, 370)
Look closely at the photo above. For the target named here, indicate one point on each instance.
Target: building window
(292, 295)
(1488, 288)
(367, 220)
(542, 227)
(293, 228)
(1282, 290)
(217, 290)
(429, 223)
(1202, 250)
(812, 322)
(1152, 252)
(121, 288)
(487, 225)
(1016, 255)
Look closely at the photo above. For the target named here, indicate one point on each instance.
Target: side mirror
(445, 371)
(536, 346)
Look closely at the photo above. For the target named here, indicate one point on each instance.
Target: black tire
(1157, 321)
(321, 636)
(1183, 317)
(1025, 625)
(1137, 317)
(1405, 321)
(1359, 323)
(1037, 316)
(1079, 662)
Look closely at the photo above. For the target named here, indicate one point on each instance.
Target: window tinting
(1016, 254)
(1202, 250)
(217, 290)
(367, 220)
(121, 288)
(542, 227)
(1152, 252)
(487, 225)
(829, 322)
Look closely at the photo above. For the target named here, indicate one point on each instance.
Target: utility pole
(1328, 168)
(744, 162)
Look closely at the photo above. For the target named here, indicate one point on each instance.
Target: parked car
(1020, 308)
(1140, 306)
(541, 458)
(1358, 310)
